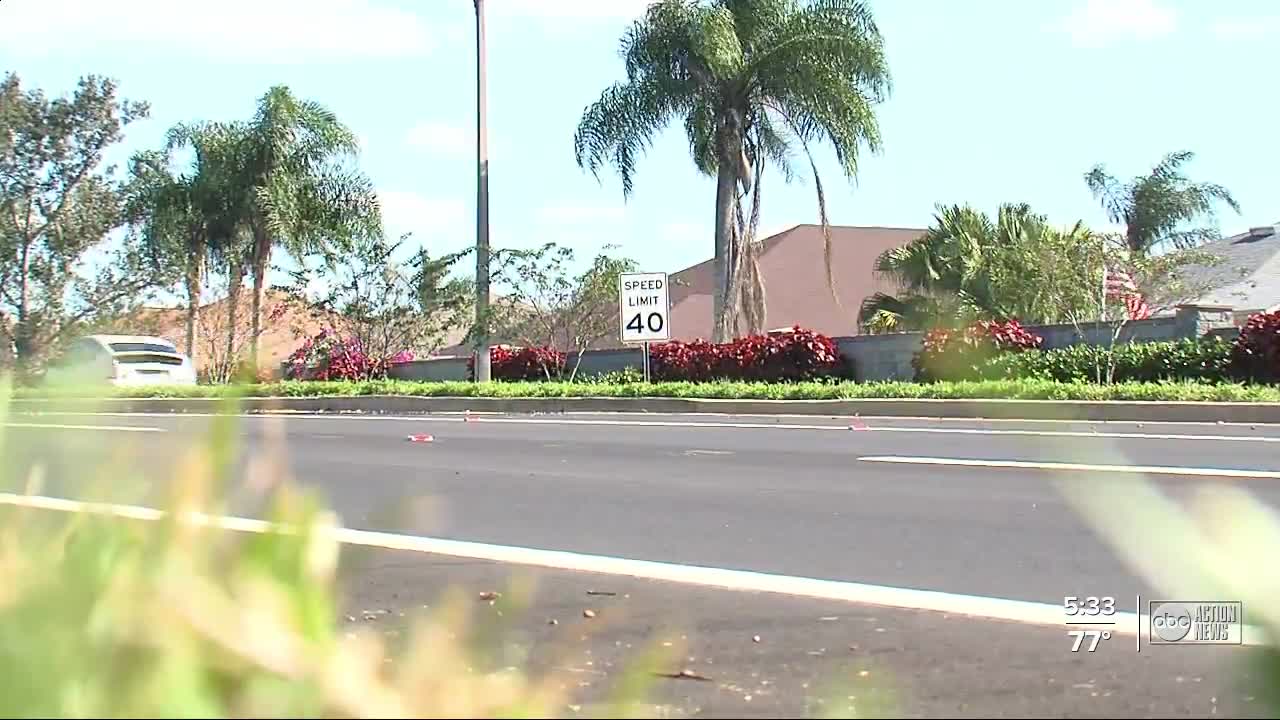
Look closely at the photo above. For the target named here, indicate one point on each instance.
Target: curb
(1085, 410)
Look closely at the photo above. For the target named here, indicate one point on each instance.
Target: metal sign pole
(646, 362)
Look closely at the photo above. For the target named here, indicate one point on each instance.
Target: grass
(105, 616)
(990, 389)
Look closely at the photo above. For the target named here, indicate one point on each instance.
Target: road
(881, 505)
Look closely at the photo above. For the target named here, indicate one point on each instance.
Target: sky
(994, 101)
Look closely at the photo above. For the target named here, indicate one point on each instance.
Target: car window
(122, 347)
(79, 353)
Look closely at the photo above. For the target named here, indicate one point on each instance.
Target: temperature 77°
(1093, 636)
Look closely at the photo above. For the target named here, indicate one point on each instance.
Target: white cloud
(442, 218)
(253, 31)
(1097, 23)
(578, 214)
(1246, 28)
(569, 9)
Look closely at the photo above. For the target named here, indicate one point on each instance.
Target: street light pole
(482, 207)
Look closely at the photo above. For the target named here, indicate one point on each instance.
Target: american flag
(1118, 283)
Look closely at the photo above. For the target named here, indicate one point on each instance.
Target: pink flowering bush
(961, 354)
(514, 364)
(790, 355)
(329, 356)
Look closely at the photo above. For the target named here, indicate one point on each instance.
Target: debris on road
(604, 593)
(588, 614)
(553, 621)
(685, 674)
(421, 438)
(755, 638)
(490, 596)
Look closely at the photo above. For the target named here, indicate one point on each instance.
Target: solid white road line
(871, 425)
(1077, 467)
(105, 428)
(988, 608)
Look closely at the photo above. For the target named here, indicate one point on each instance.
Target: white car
(123, 360)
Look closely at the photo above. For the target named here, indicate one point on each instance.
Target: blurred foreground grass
(108, 616)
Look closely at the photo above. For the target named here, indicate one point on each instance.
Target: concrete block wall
(888, 357)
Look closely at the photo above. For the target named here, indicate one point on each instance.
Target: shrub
(789, 356)
(1256, 353)
(962, 354)
(514, 364)
(1206, 360)
(329, 356)
(696, 361)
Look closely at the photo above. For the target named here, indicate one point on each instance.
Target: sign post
(644, 311)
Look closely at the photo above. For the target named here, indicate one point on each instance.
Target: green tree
(1156, 208)
(547, 304)
(387, 305)
(304, 194)
(753, 81)
(968, 267)
(58, 204)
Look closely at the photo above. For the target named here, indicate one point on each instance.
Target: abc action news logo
(1182, 622)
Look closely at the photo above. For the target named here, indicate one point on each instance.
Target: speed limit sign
(644, 307)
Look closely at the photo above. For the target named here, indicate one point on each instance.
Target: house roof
(795, 280)
(1248, 276)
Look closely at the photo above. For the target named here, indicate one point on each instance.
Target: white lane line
(871, 421)
(1078, 467)
(988, 608)
(105, 428)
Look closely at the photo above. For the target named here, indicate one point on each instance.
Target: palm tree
(1154, 206)
(967, 267)
(186, 216)
(753, 81)
(304, 195)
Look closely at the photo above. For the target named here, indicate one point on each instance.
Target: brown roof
(795, 280)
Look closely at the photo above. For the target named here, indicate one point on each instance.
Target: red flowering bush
(961, 354)
(521, 363)
(795, 354)
(329, 356)
(1255, 356)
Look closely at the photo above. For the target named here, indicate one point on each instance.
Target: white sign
(645, 307)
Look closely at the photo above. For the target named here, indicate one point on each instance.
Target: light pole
(482, 207)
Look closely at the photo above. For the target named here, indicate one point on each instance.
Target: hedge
(1207, 360)
(962, 354)
(795, 354)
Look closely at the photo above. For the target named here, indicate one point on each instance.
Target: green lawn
(998, 389)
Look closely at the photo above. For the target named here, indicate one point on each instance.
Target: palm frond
(1156, 206)
(620, 126)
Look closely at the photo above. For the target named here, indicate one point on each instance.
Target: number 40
(638, 323)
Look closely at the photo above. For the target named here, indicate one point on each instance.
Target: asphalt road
(788, 496)
(768, 499)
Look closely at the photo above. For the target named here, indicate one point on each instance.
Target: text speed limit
(644, 307)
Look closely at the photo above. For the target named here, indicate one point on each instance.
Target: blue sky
(994, 101)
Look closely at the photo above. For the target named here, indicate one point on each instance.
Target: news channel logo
(1185, 622)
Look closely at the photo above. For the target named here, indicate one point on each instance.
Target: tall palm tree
(753, 81)
(304, 193)
(1154, 207)
(967, 267)
(186, 216)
